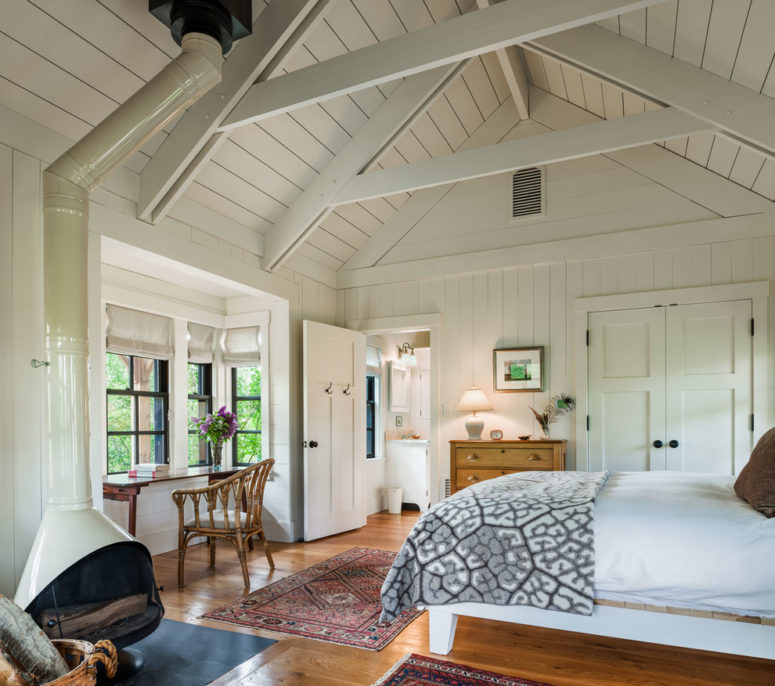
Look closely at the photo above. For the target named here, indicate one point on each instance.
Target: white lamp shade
(474, 400)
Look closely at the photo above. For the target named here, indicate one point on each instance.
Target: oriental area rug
(414, 670)
(336, 601)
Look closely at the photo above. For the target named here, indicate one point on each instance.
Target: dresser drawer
(466, 477)
(529, 457)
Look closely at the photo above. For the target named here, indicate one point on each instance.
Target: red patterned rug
(336, 601)
(417, 670)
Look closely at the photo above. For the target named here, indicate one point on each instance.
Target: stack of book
(149, 470)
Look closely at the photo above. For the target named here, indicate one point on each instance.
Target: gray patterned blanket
(520, 539)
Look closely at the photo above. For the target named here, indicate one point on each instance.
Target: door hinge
(751, 421)
(752, 327)
(587, 337)
(587, 422)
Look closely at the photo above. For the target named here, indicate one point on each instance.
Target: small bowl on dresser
(524, 438)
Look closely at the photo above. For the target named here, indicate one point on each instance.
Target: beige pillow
(756, 482)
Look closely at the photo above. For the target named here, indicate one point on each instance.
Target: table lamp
(474, 400)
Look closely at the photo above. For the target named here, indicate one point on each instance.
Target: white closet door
(708, 365)
(626, 389)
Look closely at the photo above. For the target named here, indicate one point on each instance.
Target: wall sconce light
(406, 355)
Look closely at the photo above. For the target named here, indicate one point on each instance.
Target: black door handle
(658, 443)
(313, 444)
(673, 443)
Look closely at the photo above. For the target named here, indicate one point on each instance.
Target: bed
(673, 554)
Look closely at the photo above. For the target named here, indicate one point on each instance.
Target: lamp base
(474, 427)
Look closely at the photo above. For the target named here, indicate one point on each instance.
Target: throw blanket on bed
(521, 539)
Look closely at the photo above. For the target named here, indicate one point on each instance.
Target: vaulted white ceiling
(266, 186)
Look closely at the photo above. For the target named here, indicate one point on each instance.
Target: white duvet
(683, 540)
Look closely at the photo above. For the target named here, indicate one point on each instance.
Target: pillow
(756, 482)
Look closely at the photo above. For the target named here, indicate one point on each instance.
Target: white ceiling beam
(396, 114)
(728, 106)
(514, 72)
(568, 144)
(506, 23)
(278, 29)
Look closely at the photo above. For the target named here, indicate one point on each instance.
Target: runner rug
(418, 669)
(336, 601)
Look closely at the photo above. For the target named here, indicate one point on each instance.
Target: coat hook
(39, 363)
(346, 391)
(328, 390)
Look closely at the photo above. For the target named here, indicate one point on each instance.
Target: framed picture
(518, 369)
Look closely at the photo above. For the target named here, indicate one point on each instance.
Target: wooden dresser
(472, 461)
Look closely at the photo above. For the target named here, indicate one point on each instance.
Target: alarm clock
(496, 434)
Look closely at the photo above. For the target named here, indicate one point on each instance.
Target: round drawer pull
(533, 457)
(472, 458)
(473, 477)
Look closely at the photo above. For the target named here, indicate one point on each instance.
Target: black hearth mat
(179, 654)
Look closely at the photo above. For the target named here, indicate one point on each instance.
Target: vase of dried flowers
(558, 406)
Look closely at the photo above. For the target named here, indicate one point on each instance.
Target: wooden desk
(125, 488)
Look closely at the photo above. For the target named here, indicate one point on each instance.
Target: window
(200, 403)
(371, 415)
(246, 402)
(137, 401)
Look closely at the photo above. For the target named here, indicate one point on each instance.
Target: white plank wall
(529, 306)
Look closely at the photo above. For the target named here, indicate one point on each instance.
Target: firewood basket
(83, 657)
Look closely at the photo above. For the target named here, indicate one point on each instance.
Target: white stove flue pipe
(61, 539)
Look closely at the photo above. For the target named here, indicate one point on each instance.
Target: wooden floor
(544, 655)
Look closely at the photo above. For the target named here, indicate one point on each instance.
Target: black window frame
(234, 404)
(371, 413)
(205, 388)
(161, 373)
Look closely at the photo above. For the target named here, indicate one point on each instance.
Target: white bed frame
(700, 633)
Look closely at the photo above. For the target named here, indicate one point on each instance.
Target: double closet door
(671, 388)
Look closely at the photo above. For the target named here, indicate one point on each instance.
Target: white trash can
(395, 498)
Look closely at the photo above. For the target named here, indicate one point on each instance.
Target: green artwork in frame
(518, 369)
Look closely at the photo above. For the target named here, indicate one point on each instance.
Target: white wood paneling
(528, 306)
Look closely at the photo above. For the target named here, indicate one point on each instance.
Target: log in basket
(83, 657)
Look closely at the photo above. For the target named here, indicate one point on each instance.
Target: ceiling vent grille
(527, 197)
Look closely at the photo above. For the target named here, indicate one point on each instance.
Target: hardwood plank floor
(555, 657)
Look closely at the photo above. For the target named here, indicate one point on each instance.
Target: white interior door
(626, 389)
(334, 430)
(709, 404)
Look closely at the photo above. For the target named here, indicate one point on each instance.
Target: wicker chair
(224, 516)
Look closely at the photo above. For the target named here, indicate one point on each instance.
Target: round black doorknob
(673, 443)
(658, 443)
(313, 444)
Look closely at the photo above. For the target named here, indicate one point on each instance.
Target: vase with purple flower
(217, 429)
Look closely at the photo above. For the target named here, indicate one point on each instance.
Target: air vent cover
(527, 192)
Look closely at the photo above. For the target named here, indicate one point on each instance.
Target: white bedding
(683, 540)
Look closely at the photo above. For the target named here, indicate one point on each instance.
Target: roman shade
(132, 332)
(241, 347)
(201, 343)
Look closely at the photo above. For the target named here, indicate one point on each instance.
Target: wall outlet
(399, 420)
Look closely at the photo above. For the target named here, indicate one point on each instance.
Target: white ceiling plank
(411, 211)
(727, 21)
(698, 148)
(413, 15)
(678, 145)
(504, 24)
(573, 86)
(495, 73)
(765, 181)
(481, 88)
(757, 47)
(337, 226)
(381, 18)
(410, 148)
(535, 67)
(567, 144)
(723, 155)
(660, 26)
(298, 140)
(464, 105)
(613, 101)
(357, 215)
(691, 30)
(328, 243)
(593, 94)
(314, 268)
(553, 71)
(429, 135)
(209, 198)
(314, 253)
(444, 117)
(397, 112)
(633, 104)
(746, 167)
(280, 26)
(378, 207)
(724, 104)
(633, 25)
